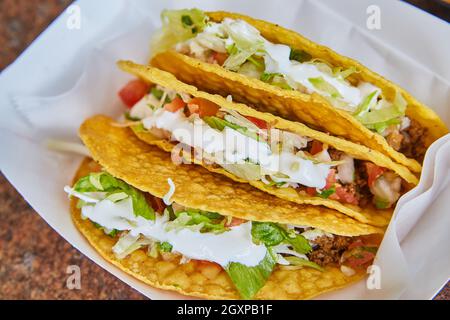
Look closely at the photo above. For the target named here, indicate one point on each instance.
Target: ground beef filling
(328, 250)
(413, 144)
(359, 185)
(361, 179)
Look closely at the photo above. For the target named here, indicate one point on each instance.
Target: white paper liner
(47, 95)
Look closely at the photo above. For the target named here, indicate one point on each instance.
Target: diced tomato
(334, 196)
(311, 191)
(193, 108)
(220, 57)
(341, 193)
(203, 107)
(331, 179)
(316, 147)
(134, 91)
(158, 205)
(209, 269)
(235, 222)
(373, 172)
(258, 122)
(175, 105)
(356, 244)
(346, 195)
(372, 240)
(360, 259)
(94, 166)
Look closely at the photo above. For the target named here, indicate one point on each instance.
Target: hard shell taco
(185, 229)
(281, 157)
(279, 71)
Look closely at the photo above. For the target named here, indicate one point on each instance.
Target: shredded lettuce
(327, 193)
(381, 126)
(152, 250)
(197, 220)
(178, 26)
(322, 85)
(257, 62)
(381, 204)
(299, 243)
(382, 115)
(364, 106)
(128, 244)
(379, 119)
(220, 124)
(158, 94)
(245, 36)
(282, 85)
(138, 128)
(165, 247)
(299, 55)
(341, 73)
(247, 42)
(113, 233)
(129, 117)
(235, 61)
(268, 233)
(271, 234)
(250, 70)
(236, 118)
(247, 171)
(275, 184)
(267, 77)
(249, 280)
(117, 196)
(275, 79)
(115, 188)
(322, 66)
(232, 49)
(296, 261)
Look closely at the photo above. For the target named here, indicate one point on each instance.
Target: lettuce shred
(380, 119)
(249, 280)
(116, 190)
(178, 26)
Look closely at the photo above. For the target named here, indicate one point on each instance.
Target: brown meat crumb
(328, 250)
(365, 196)
(413, 145)
(395, 139)
(335, 155)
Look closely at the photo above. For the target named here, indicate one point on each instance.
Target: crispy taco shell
(190, 280)
(294, 105)
(368, 215)
(148, 168)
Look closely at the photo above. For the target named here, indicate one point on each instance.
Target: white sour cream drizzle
(276, 58)
(277, 61)
(236, 148)
(169, 193)
(313, 234)
(235, 245)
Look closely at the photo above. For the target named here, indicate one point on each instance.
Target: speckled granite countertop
(33, 257)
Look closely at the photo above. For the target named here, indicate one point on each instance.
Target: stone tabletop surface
(34, 259)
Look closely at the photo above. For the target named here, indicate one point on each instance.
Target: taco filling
(254, 150)
(247, 250)
(239, 47)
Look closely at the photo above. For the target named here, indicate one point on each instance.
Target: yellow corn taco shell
(147, 168)
(294, 105)
(368, 215)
